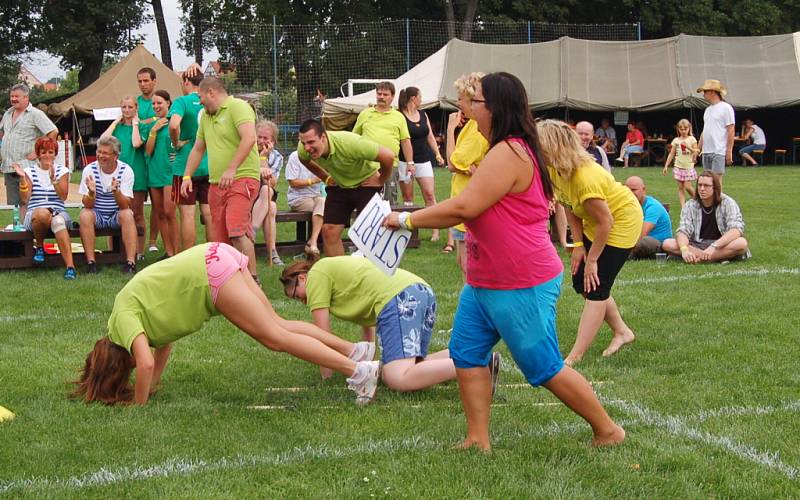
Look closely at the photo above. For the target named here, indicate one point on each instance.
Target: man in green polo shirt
(227, 129)
(353, 167)
(183, 123)
(146, 80)
(386, 126)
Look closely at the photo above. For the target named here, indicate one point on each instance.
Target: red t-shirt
(635, 137)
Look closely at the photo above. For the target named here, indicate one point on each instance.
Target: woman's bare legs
(409, 375)
(574, 391)
(154, 219)
(251, 312)
(594, 313)
(137, 205)
(169, 227)
(475, 386)
(429, 195)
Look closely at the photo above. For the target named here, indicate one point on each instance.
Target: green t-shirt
(349, 159)
(188, 107)
(220, 132)
(353, 288)
(387, 128)
(128, 154)
(166, 301)
(159, 165)
(145, 108)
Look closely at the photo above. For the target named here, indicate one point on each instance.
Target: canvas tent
(651, 75)
(116, 83)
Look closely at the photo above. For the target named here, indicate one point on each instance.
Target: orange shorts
(230, 209)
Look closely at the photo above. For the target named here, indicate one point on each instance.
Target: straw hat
(715, 85)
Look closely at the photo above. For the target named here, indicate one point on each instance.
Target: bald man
(585, 131)
(657, 225)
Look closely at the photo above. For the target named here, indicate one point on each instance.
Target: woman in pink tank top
(513, 271)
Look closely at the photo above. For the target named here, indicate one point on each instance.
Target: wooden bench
(302, 221)
(16, 249)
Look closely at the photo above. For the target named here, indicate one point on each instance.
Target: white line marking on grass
(413, 406)
(741, 411)
(185, 466)
(48, 316)
(758, 271)
(435, 387)
(677, 427)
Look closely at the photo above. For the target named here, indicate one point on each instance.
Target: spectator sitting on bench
(711, 227)
(756, 134)
(634, 143)
(304, 195)
(107, 189)
(43, 187)
(657, 225)
(265, 207)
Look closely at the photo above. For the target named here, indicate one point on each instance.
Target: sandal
(447, 248)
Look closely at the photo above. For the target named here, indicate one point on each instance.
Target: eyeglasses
(291, 280)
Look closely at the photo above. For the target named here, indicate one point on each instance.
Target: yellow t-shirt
(353, 288)
(684, 149)
(593, 181)
(471, 147)
(387, 128)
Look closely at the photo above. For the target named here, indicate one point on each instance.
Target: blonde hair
(468, 84)
(129, 98)
(561, 147)
(684, 123)
(271, 126)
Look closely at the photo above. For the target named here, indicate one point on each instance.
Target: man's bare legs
(332, 237)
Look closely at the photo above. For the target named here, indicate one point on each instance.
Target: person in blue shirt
(657, 225)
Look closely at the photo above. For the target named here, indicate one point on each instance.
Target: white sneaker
(363, 351)
(276, 259)
(152, 248)
(365, 389)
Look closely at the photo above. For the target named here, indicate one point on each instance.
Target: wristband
(404, 219)
(187, 177)
(328, 180)
(24, 189)
(577, 244)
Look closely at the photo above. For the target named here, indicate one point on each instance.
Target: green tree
(82, 32)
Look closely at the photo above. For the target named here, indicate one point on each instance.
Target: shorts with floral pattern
(405, 324)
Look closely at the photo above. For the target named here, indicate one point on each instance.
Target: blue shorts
(525, 319)
(457, 234)
(405, 324)
(633, 149)
(106, 221)
(752, 147)
(28, 223)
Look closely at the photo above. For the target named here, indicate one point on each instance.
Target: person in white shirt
(107, 189)
(716, 141)
(305, 195)
(754, 133)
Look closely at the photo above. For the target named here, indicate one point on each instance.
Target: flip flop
(447, 248)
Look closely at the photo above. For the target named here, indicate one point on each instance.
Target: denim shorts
(457, 234)
(714, 162)
(405, 324)
(524, 318)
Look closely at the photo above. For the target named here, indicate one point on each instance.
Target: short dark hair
(195, 79)
(312, 124)
(385, 86)
(212, 82)
(149, 71)
(164, 95)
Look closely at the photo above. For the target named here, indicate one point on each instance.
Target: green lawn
(708, 394)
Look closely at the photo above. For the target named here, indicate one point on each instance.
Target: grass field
(709, 393)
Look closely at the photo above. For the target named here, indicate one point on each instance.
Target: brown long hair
(290, 273)
(405, 95)
(106, 375)
(717, 188)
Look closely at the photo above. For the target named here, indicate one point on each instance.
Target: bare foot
(612, 438)
(572, 360)
(326, 373)
(468, 443)
(435, 235)
(618, 341)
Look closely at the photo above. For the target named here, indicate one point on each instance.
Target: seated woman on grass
(402, 307)
(711, 227)
(172, 299)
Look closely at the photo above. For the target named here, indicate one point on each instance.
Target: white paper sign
(105, 114)
(382, 246)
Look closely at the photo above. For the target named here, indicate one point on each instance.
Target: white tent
(650, 75)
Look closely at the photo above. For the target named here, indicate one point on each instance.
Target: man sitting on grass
(711, 227)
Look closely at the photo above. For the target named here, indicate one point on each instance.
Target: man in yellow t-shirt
(227, 129)
(386, 126)
(353, 167)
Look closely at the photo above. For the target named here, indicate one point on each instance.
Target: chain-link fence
(286, 70)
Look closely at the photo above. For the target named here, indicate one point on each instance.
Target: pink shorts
(222, 261)
(684, 174)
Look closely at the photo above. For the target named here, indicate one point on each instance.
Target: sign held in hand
(382, 246)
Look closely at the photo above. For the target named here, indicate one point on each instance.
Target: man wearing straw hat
(716, 141)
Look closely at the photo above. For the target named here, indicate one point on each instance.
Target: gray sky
(46, 67)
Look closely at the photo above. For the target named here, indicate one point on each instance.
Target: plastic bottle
(15, 218)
